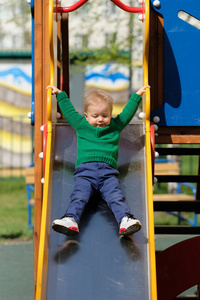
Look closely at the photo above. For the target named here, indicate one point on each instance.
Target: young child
(97, 154)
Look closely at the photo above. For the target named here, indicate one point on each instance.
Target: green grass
(13, 212)
(163, 218)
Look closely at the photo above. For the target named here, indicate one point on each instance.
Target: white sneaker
(66, 225)
(129, 225)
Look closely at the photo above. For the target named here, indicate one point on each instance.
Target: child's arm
(67, 108)
(142, 90)
(131, 107)
(54, 89)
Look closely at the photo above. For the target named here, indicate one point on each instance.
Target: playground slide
(97, 263)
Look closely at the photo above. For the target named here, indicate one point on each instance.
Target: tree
(102, 32)
(15, 25)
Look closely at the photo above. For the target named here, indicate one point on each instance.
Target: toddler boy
(98, 136)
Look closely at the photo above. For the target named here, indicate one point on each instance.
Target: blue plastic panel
(181, 105)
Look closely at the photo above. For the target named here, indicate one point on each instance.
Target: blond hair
(94, 95)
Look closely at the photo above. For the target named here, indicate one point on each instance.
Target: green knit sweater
(95, 143)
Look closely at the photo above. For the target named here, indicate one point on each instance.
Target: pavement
(17, 267)
(17, 271)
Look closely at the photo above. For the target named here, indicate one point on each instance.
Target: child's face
(98, 114)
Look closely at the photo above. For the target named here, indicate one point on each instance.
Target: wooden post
(65, 52)
(41, 80)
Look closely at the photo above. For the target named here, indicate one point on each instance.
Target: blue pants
(96, 176)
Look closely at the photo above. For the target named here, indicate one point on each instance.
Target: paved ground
(17, 268)
(17, 271)
(164, 241)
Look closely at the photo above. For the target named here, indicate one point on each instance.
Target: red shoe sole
(130, 230)
(71, 231)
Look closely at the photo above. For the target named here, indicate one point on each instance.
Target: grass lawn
(13, 212)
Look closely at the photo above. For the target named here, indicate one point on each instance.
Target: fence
(16, 145)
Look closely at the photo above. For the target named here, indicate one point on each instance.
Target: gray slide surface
(97, 264)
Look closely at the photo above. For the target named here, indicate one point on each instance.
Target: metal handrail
(51, 60)
(129, 8)
(70, 8)
(148, 157)
(43, 248)
(117, 2)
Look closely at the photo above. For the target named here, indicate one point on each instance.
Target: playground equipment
(30, 189)
(95, 261)
(166, 167)
(173, 75)
(174, 83)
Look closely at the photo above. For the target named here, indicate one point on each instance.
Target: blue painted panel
(33, 65)
(181, 105)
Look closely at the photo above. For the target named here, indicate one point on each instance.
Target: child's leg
(79, 198)
(83, 189)
(111, 192)
(81, 194)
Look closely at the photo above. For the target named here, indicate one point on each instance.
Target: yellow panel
(99, 86)
(15, 142)
(2, 83)
(9, 110)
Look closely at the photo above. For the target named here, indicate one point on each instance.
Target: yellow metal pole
(44, 231)
(148, 158)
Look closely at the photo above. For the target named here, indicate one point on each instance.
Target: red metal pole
(128, 8)
(117, 2)
(70, 8)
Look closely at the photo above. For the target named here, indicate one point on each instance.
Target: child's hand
(54, 89)
(142, 90)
